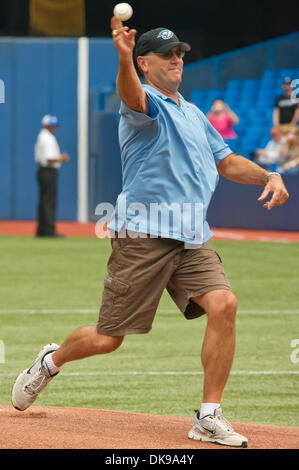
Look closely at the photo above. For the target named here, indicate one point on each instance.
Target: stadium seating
(253, 101)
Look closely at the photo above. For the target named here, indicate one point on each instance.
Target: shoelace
(223, 420)
(35, 386)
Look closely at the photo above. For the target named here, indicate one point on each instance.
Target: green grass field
(45, 283)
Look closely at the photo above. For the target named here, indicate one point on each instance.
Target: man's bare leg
(219, 341)
(85, 342)
(217, 358)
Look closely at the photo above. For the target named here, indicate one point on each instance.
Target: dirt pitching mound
(84, 428)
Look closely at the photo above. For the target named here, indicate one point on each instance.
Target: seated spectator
(272, 152)
(290, 150)
(223, 119)
(286, 108)
(290, 164)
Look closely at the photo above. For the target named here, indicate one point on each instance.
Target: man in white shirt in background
(272, 152)
(49, 159)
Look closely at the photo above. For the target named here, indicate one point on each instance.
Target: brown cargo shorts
(139, 269)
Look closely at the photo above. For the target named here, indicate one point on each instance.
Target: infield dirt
(85, 428)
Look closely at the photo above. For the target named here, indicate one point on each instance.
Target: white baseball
(123, 11)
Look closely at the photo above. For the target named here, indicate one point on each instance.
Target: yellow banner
(58, 17)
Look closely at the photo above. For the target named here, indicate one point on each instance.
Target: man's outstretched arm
(240, 170)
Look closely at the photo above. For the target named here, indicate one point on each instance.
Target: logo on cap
(165, 34)
(49, 120)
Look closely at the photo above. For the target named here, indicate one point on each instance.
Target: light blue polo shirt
(169, 160)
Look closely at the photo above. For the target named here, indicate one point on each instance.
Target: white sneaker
(32, 381)
(215, 428)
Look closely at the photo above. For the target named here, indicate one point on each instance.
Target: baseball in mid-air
(123, 11)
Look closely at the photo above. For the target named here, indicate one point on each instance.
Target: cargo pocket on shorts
(115, 298)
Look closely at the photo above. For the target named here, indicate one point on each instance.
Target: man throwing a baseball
(171, 156)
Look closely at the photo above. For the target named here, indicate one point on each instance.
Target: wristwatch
(269, 174)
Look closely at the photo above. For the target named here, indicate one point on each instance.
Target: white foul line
(59, 311)
(165, 373)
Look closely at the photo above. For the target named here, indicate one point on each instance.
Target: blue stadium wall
(40, 77)
(235, 205)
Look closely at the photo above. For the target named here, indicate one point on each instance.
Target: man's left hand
(275, 186)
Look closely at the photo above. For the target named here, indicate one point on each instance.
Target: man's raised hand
(123, 37)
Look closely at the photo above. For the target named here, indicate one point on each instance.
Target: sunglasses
(168, 55)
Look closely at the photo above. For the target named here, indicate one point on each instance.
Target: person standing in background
(49, 159)
(286, 109)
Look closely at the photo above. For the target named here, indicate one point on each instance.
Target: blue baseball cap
(49, 120)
